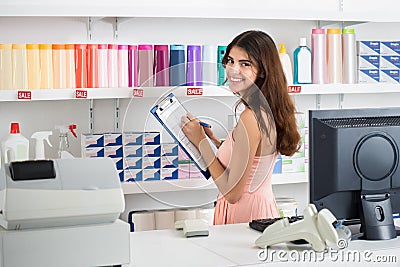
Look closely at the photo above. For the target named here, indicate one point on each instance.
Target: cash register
(62, 212)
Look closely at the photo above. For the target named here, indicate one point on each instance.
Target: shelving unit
(97, 15)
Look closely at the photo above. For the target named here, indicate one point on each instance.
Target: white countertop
(233, 245)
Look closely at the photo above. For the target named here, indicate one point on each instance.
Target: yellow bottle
(6, 66)
(46, 66)
(33, 64)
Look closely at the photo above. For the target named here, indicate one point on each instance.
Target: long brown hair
(272, 83)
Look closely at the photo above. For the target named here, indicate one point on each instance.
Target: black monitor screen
(354, 164)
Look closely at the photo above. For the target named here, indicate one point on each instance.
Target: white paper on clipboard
(169, 112)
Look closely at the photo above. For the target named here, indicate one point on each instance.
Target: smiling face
(241, 71)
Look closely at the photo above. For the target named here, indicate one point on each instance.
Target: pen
(205, 124)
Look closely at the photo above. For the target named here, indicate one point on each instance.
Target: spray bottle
(39, 143)
(64, 143)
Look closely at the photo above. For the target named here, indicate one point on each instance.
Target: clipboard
(169, 112)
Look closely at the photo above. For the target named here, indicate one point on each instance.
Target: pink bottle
(132, 66)
(123, 66)
(103, 65)
(145, 65)
(112, 65)
(92, 66)
(161, 63)
(318, 51)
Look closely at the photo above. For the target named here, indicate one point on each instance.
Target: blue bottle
(302, 63)
(220, 67)
(177, 74)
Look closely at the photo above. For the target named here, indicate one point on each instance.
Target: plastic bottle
(80, 66)
(46, 66)
(15, 147)
(112, 65)
(193, 68)
(334, 56)
(286, 63)
(103, 65)
(70, 80)
(63, 144)
(92, 66)
(209, 65)
(40, 137)
(220, 67)
(123, 79)
(33, 66)
(132, 66)
(6, 66)
(59, 66)
(349, 56)
(145, 65)
(161, 69)
(318, 52)
(177, 65)
(302, 63)
(19, 68)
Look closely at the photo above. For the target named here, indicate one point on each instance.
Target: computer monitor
(354, 166)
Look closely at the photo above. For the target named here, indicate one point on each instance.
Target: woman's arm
(232, 180)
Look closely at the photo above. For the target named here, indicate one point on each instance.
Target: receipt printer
(59, 192)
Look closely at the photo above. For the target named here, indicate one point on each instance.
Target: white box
(390, 48)
(91, 152)
(92, 140)
(368, 76)
(112, 139)
(389, 62)
(390, 76)
(368, 62)
(368, 47)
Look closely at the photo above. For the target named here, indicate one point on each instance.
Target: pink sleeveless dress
(257, 200)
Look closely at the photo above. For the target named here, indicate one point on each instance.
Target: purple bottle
(161, 63)
(145, 65)
(193, 71)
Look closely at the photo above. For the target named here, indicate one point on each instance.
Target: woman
(243, 167)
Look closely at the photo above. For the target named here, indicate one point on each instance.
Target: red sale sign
(194, 91)
(294, 88)
(80, 94)
(25, 95)
(138, 93)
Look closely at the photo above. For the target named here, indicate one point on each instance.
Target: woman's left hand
(192, 129)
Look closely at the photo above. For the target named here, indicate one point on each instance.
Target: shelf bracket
(91, 22)
(117, 22)
(116, 116)
(318, 101)
(91, 116)
(341, 100)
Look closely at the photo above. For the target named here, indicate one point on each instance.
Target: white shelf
(182, 91)
(200, 184)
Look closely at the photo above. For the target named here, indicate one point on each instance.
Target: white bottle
(39, 143)
(286, 64)
(15, 147)
(302, 63)
(334, 58)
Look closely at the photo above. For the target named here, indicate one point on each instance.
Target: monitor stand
(376, 218)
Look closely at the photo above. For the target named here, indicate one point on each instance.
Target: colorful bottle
(334, 56)
(193, 68)
(46, 66)
(59, 66)
(92, 66)
(6, 66)
(318, 52)
(19, 68)
(33, 66)
(145, 65)
(349, 58)
(286, 64)
(209, 65)
(220, 67)
(70, 80)
(15, 147)
(112, 65)
(102, 65)
(132, 66)
(302, 63)
(161, 70)
(123, 80)
(177, 67)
